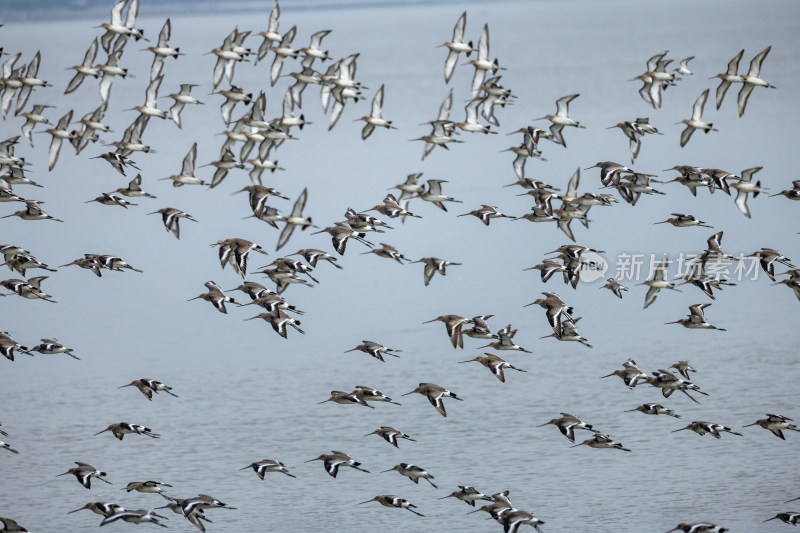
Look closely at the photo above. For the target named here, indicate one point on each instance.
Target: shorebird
(547, 268)
(752, 79)
(235, 252)
(233, 96)
(30, 289)
(634, 134)
(101, 508)
(615, 286)
(567, 424)
(295, 219)
(11, 526)
(282, 51)
(658, 282)
(412, 472)
(29, 81)
(374, 349)
(279, 322)
(480, 329)
(500, 505)
(111, 199)
(470, 123)
(435, 394)
(786, 518)
(111, 69)
(467, 494)
(332, 461)
(453, 325)
(148, 487)
(258, 196)
(701, 428)
(512, 519)
(684, 67)
(792, 282)
(375, 118)
(696, 121)
(434, 265)
(181, 98)
(84, 472)
(227, 57)
(554, 308)
(118, 161)
(506, 341)
(601, 440)
(700, 527)
(561, 119)
(134, 189)
(52, 346)
(59, 133)
(24, 262)
(776, 424)
(791, 194)
(346, 398)
(32, 211)
(161, 51)
(200, 502)
(268, 465)
(696, 319)
(215, 296)
(683, 368)
(7, 446)
(171, 218)
(455, 47)
(654, 409)
(390, 435)
(495, 363)
(137, 516)
(388, 251)
(86, 68)
(271, 35)
(679, 220)
(186, 177)
(440, 136)
(630, 375)
(767, 257)
(482, 63)
(120, 429)
(116, 26)
(148, 387)
(373, 395)
(744, 187)
(486, 213)
(150, 107)
(389, 500)
(8, 345)
(434, 194)
(340, 233)
(669, 383)
(731, 75)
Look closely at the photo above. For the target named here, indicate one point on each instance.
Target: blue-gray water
(246, 394)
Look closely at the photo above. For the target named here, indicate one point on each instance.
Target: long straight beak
(96, 435)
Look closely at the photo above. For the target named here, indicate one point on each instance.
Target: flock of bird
(338, 87)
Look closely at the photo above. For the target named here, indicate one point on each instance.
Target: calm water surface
(246, 394)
